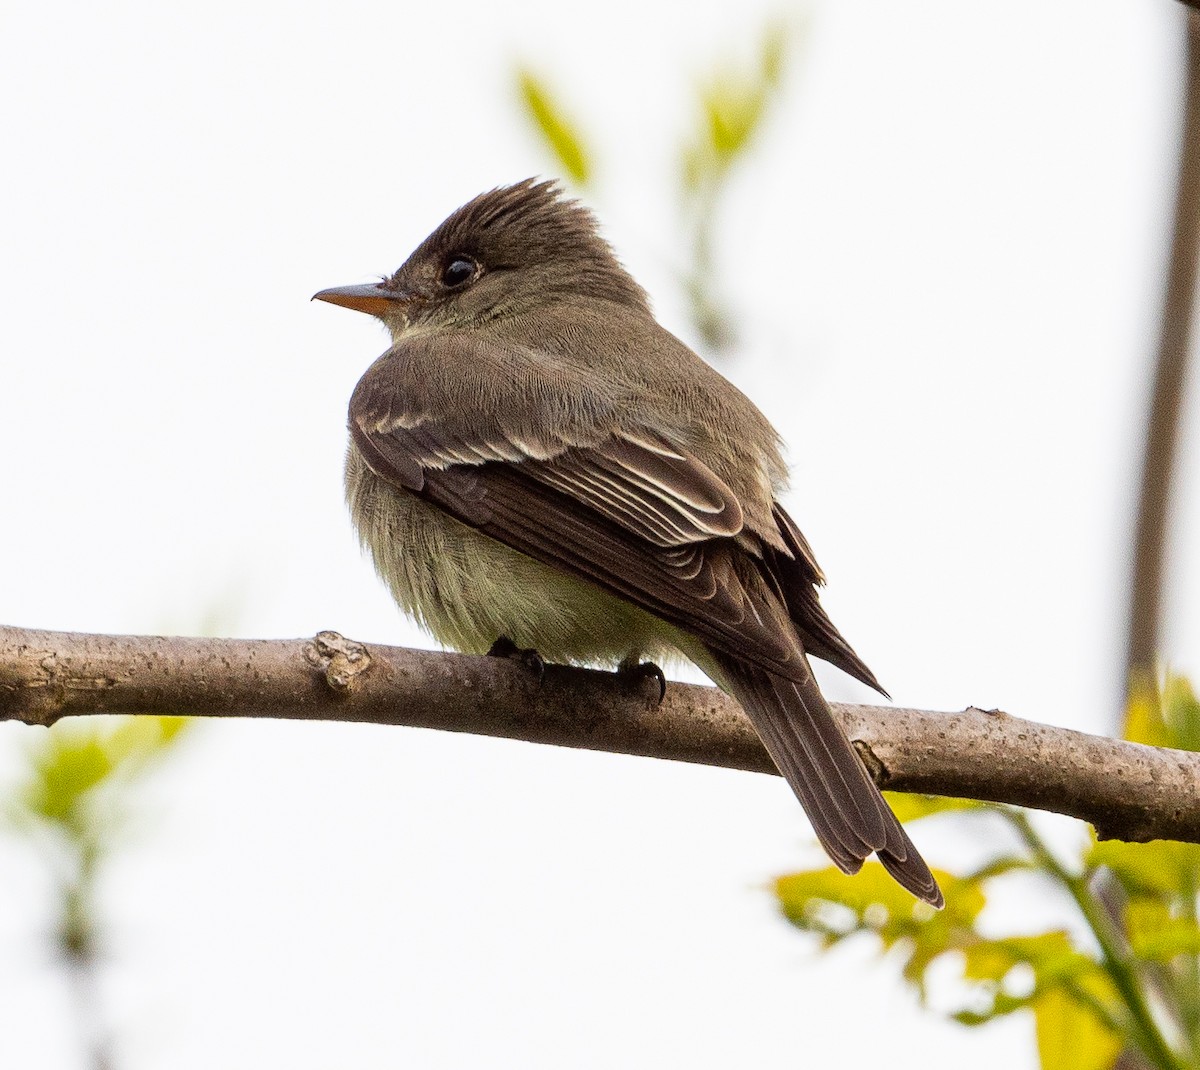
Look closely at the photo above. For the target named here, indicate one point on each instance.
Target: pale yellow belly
(467, 589)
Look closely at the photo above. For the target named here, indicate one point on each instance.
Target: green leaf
(871, 895)
(736, 103)
(1181, 712)
(733, 104)
(972, 1018)
(908, 807)
(834, 906)
(67, 767)
(136, 741)
(774, 53)
(988, 960)
(734, 113)
(1161, 867)
(72, 763)
(999, 1005)
(557, 131)
(1144, 721)
(1019, 972)
(1055, 961)
(1155, 935)
(1166, 715)
(1051, 959)
(1071, 1037)
(1004, 975)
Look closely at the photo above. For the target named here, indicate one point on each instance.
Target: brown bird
(537, 459)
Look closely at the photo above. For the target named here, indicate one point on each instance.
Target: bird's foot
(634, 672)
(527, 656)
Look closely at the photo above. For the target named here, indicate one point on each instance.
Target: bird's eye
(458, 270)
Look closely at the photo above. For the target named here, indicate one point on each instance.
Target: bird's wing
(653, 511)
(631, 513)
(796, 576)
(639, 482)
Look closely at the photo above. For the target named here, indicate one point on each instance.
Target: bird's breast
(467, 589)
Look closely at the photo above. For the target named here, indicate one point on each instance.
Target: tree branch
(1126, 790)
(1166, 399)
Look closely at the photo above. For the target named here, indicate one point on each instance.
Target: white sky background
(946, 255)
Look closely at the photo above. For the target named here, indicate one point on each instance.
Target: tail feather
(909, 869)
(849, 816)
(842, 778)
(831, 840)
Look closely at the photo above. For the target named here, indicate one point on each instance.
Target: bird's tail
(849, 816)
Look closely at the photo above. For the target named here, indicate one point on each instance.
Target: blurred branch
(72, 806)
(1126, 790)
(733, 106)
(733, 103)
(1170, 374)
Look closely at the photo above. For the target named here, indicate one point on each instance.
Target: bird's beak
(376, 299)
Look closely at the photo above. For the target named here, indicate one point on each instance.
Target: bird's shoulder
(480, 383)
(554, 380)
(660, 385)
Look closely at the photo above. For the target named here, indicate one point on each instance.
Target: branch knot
(341, 660)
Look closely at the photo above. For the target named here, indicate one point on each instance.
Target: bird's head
(507, 252)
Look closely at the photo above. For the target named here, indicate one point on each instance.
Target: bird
(537, 465)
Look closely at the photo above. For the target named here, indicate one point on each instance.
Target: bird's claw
(527, 656)
(634, 672)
